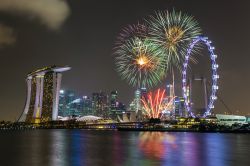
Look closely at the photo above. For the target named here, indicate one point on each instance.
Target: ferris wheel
(215, 76)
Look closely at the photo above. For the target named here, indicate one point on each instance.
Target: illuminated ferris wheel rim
(215, 76)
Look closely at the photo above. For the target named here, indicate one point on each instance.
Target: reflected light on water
(155, 145)
(59, 146)
(114, 148)
(67, 147)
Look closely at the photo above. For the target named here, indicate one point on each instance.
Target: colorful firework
(137, 60)
(172, 32)
(131, 32)
(153, 103)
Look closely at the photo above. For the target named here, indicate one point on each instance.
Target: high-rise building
(179, 107)
(66, 97)
(113, 100)
(113, 107)
(137, 100)
(72, 105)
(137, 103)
(144, 93)
(74, 108)
(42, 99)
(116, 108)
(87, 106)
(100, 104)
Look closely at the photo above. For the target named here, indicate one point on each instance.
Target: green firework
(138, 61)
(171, 33)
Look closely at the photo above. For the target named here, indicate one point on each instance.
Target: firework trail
(152, 106)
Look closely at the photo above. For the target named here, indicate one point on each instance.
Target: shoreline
(122, 129)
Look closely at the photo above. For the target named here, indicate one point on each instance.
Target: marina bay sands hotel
(43, 86)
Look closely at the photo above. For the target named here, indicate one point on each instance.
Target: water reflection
(77, 148)
(58, 148)
(67, 147)
(216, 154)
(82, 147)
(117, 149)
(191, 151)
(155, 145)
(163, 148)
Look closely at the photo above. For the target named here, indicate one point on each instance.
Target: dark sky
(85, 39)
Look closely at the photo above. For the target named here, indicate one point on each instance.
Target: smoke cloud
(6, 35)
(51, 13)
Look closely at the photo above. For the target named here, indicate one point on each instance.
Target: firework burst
(172, 32)
(153, 104)
(131, 32)
(137, 60)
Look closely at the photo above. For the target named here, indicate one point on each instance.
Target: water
(107, 148)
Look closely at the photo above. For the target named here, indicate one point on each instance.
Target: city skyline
(85, 38)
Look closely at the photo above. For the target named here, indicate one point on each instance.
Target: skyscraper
(179, 107)
(100, 104)
(66, 97)
(86, 106)
(42, 99)
(137, 103)
(72, 105)
(137, 100)
(113, 100)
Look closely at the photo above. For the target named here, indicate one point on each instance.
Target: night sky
(81, 34)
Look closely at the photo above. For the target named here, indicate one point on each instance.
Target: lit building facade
(87, 106)
(113, 100)
(71, 105)
(180, 107)
(66, 97)
(116, 108)
(136, 105)
(43, 86)
(100, 105)
(229, 120)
